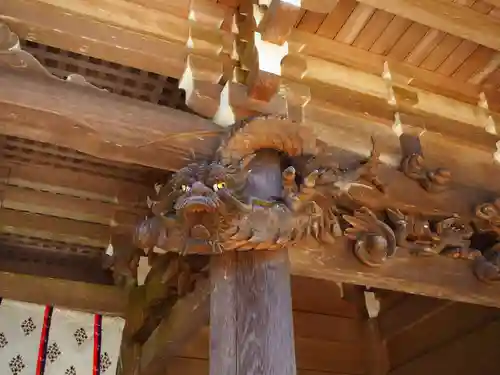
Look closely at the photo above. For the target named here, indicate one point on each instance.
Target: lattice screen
(116, 78)
(45, 340)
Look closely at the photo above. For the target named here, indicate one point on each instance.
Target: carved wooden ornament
(206, 207)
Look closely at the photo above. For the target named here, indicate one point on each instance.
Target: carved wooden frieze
(206, 208)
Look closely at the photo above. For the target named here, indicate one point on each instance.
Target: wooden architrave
(75, 295)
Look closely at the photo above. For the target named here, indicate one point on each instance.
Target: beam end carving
(205, 208)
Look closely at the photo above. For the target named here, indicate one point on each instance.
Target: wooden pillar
(251, 306)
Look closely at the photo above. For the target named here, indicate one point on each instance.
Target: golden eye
(219, 185)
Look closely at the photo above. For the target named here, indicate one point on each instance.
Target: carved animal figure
(425, 235)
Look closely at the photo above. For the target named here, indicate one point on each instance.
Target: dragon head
(194, 203)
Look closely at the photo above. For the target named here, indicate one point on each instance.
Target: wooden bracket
(261, 58)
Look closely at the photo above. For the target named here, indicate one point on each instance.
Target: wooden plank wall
(431, 336)
(329, 334)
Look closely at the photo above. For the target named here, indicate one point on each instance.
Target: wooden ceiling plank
(319, 6)
(336, 18)
(311, 22)
(355, 23)
(457, 57)
(482, 75)
(390, 35)
(423, 48)
(441, 52)
(373, 29)
(477, 60)
(408, 41)
(74, 295)
(446, 16)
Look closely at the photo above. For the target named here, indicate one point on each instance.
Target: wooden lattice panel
(116, 78)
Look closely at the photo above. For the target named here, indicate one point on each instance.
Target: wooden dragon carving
(206, 208)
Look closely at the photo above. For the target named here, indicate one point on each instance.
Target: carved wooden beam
(74, 295)
(384, 217)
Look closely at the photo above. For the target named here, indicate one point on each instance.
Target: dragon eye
(185, 188)
(219, 185)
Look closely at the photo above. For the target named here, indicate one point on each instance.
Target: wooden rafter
(63, 293)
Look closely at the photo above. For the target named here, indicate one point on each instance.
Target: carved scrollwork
(375, 241)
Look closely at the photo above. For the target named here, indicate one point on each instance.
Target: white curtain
(44, 340)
